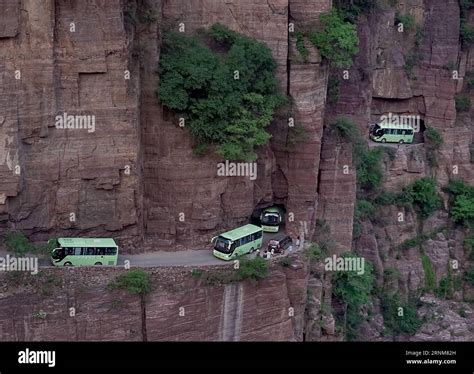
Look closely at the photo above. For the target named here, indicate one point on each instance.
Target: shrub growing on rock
(227, 94)
(463, 103)
(136, 281)
(256, 268)
(18, 243)
(354, 291)
(423, 196)
(462, 210)
(336, 40)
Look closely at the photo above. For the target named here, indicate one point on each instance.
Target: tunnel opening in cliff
(255, 217)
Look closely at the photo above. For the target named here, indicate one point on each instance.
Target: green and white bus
(391, 133)
(83, 251)
(271, 219)
(237, 242)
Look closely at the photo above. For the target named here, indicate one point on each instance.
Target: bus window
(110, 251)
(69, 251)
(88, 251)
(100, 251)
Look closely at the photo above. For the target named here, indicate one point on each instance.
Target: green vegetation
(390, 198)
(334, 89)
(301, 47)
(466, 33)
(136, 282)
(469, 79)
(433, 137)
(256, 268)
(463, 103)
(448, 285)
(469, 246)
(469, 276)
(399, 318)
(135, 16)
(363, 210)
(414, 242)
(336, 39)
(369, 168)
(18, 243)
(407, 20)
(315, 252)
(367, 161)
(422, 195)
(430, 279)
(227, 95)
(351, 9)
(354, 292)
(462, 202)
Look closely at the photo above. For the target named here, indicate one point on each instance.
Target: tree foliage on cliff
(354, 291)
(422, 195)
(368, 162)
(219, 107)
(336, 39)
(352, 9)
(462, 208)
(18, 243)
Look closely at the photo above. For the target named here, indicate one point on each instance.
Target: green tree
(18, 243)
(462, 210)
(354, 291)
(423, 196)
(336, 40)
(221, 108)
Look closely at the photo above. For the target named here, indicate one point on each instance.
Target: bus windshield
(223, 245)
(58, 253)
(271, 219)
(377, 131)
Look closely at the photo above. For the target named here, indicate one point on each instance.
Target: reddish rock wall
(179, 307)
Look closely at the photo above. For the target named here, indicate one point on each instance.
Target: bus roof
(272, 209)
(241, 231)
(394, 126)
(87, 242)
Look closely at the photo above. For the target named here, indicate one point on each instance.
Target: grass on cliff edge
(223, 85)
(136, 282)
(254, 269)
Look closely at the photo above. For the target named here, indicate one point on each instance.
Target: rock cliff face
(134, 176)
(68, 58)
(78, 305)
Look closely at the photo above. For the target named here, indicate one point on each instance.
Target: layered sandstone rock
(179, 307)
(72, 59)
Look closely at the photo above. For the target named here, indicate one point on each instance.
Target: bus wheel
(252, 250)
(401, 141)
(98, 263)
(384, 140)
(67, 263)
